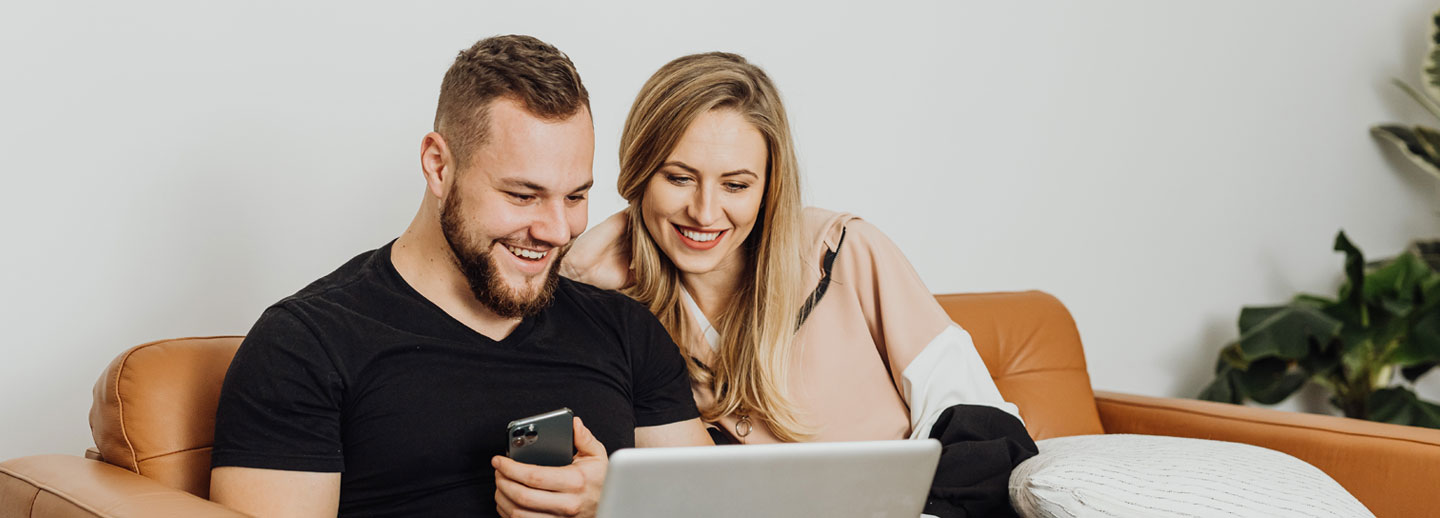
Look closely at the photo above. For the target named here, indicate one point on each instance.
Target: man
(384, 387)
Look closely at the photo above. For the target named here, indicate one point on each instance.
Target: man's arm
(276, 493)
(683, 433)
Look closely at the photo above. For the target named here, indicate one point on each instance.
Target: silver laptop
(870, 479)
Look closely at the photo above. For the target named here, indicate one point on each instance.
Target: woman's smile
(699, 239)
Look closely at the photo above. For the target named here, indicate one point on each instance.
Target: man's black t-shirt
(360, 374)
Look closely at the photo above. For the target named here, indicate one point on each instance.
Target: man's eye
(521, 196)
(576, 197)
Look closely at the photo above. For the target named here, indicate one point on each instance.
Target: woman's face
(703, 201)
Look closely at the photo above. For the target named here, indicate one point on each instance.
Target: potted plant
(1386, 319)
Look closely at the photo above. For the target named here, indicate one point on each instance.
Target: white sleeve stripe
(948, 372)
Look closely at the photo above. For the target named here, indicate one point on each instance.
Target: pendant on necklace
(742, 427)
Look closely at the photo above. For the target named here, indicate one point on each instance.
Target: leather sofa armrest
(67, 485)
(1392, 469)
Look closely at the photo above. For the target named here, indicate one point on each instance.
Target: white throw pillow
(1153, 476)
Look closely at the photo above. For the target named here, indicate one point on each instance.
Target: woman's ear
(437, 163)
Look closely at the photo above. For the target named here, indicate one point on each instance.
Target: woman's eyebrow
(693, 170)
(681, 165)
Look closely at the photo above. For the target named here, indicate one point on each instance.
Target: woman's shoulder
(824, 227)
(828, 228)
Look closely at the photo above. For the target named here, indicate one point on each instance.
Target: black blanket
(981, 445)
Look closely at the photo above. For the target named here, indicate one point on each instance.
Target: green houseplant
(1385, 319)
(1421, 144)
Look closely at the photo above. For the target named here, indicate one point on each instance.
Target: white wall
(170, 169)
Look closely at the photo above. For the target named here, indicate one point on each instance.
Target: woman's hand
(601, 256)
(524, 490)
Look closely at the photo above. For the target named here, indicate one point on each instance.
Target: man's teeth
(700, 236)
(528, 254)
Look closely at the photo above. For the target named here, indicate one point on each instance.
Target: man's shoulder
(605, 308)
(347, 290)
(594, 298)
(358, 269)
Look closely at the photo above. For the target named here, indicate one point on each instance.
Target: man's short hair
(519, 67)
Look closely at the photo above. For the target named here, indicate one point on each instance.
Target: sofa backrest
(154, 409)
(1032, 348)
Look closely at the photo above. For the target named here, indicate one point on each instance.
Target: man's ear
(437, 164)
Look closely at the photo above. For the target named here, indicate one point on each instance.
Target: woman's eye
(737, 186)
(678, 179)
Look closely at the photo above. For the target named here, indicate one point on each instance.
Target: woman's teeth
(700, 236)
(527, 254)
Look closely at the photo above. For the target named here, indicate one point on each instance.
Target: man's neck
(425, 262)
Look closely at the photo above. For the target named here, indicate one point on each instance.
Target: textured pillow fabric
(1153, 476)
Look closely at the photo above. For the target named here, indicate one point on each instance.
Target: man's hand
(601, 256)
(525, 490)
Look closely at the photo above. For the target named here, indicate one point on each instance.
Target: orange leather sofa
(153, 422)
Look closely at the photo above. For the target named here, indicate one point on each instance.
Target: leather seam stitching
(176, 452)
(42, 487)
(120, 409)
(1104, 401)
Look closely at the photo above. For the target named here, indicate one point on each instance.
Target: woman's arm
(932, 360)
(601, 256)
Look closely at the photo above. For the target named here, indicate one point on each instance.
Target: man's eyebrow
(517, 183)
(693, 170)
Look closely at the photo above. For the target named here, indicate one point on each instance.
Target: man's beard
(477, 263)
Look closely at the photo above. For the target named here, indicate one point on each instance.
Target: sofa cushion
(1031, 347)
(154, 409)
(1154, 476)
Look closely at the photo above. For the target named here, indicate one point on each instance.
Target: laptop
(870, 479)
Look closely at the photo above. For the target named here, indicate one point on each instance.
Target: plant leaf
(1232, 357)
(1352, 294)
(1399, 405)
(1269, 381)
(1422, 344)
(1324, 357)
(1222, 388)
(1421, 99)
(1414, 372)
(1252, 316)
(1408, 143)
(1284, 331)
(1397, 285)
(1430, 69)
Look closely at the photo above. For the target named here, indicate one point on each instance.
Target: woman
(799, 324)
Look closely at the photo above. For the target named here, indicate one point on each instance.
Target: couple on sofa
(740, 317)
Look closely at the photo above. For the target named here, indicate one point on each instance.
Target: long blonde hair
(751, 368)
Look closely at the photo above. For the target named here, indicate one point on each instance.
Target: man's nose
(704, 208)
(550, 226)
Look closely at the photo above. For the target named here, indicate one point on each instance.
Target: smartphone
(544, 440)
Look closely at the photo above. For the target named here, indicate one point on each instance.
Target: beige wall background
(171, 168)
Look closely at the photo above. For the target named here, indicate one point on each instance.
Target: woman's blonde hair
(750, 371)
